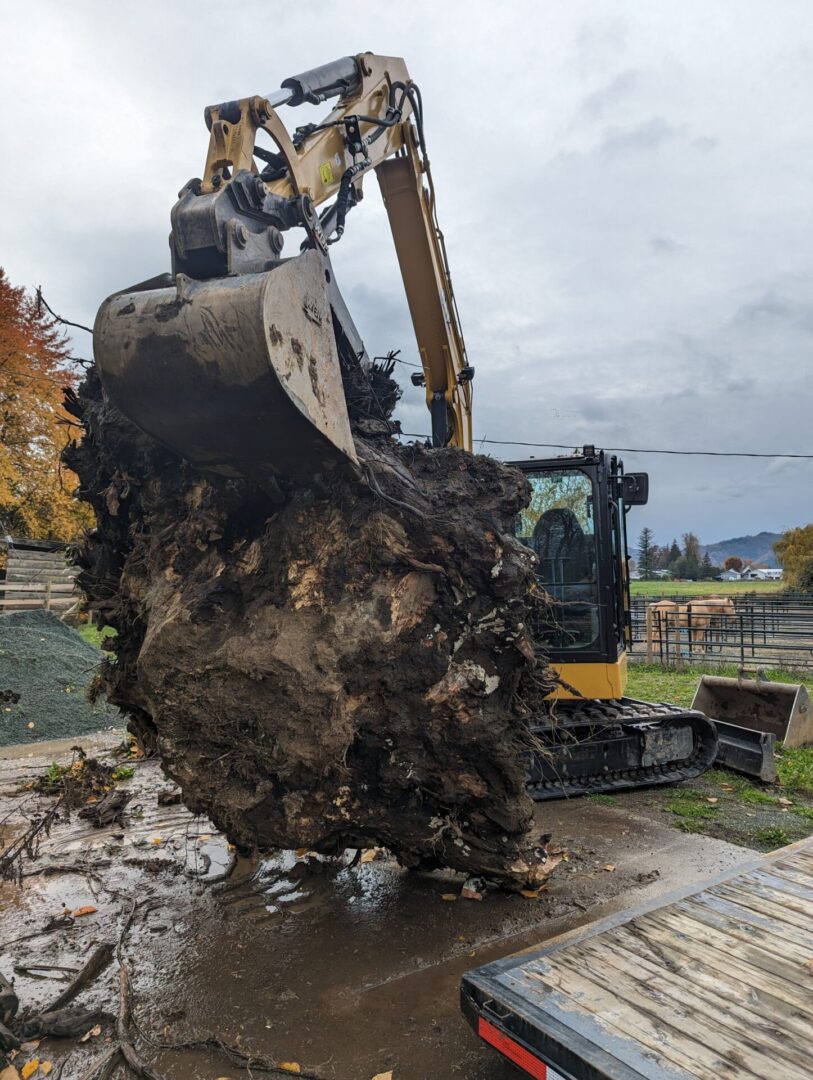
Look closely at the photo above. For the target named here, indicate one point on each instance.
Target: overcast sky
(625, 190)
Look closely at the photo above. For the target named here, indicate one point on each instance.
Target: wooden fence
(37, 576)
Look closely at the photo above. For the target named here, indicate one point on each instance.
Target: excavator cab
(594, 738)
(576, 525)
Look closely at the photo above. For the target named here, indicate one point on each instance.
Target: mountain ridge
(758, 547)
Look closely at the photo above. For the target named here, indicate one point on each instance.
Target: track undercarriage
(591, 746)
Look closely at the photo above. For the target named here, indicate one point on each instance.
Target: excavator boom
(238, 359)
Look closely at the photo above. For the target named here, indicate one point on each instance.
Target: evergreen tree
(674, 551)
(707, 569)
(646, 552)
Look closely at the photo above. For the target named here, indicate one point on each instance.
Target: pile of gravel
(49, 665)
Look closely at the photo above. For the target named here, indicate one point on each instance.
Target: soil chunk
(342, 665)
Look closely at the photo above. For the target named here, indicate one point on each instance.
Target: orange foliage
(36, 497)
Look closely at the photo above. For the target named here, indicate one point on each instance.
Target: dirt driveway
(347, 971)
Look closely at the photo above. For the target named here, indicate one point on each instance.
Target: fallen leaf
(290, 1066)
(369, 855)
(711, 800)
(29, 1068)
(726, 787)
(46, 1068)
(470, 894)
(88, 909)
(94, 1031)
(448, 896)
(157, 840)
(388, 1074)
(785, 802)
(532, 894)
(609, 867)
(30, 723)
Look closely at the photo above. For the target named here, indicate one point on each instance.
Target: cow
(702, 615)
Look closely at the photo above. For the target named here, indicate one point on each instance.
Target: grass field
(651, 682)
(702, 588)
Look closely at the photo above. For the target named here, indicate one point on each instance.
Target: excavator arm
(236, 358)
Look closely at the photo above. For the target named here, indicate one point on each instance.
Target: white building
(761, 575)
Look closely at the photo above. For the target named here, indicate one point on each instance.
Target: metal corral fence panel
(749, 630)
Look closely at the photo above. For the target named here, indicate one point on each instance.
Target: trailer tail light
(514, 1052)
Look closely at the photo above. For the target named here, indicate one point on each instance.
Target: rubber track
(613, 712)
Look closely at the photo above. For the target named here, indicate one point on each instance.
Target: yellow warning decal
(326, 173)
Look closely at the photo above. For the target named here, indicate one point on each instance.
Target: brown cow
(702, 615)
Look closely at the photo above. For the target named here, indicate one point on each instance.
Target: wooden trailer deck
(712, 982)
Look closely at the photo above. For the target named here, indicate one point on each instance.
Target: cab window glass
(559, 525)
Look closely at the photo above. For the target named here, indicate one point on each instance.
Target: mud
(331, 667)
(349, 971)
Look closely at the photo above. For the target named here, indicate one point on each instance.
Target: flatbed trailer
(709, 982)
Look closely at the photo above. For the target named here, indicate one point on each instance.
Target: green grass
(702, 588)
(603, 800)
(692, 809)
(772, 837)
(652, 682)
(95, 636)
(795, 769)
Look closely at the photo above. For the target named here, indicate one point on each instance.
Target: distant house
(761, 575)
(730, 575)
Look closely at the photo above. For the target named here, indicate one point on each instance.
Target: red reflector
(512, 1050)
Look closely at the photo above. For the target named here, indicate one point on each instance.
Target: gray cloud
(625, 201)
(608, 97)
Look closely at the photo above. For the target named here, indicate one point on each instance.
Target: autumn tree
(794, 550)
(35, 489)
(733, 562)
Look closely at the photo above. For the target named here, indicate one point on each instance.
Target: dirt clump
(346, 664)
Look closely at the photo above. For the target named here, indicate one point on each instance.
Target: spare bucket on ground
(751, 715)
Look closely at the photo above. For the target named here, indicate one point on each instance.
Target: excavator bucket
(751, 715)
(240, 375)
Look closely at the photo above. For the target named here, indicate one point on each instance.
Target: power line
(627, 449)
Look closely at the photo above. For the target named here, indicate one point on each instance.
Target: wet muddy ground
(349, 971)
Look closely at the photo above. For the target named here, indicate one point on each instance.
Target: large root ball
(342, 665)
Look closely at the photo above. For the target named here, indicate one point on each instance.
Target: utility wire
(498, 442)
(628, 449)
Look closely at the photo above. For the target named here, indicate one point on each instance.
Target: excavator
(235, 359)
